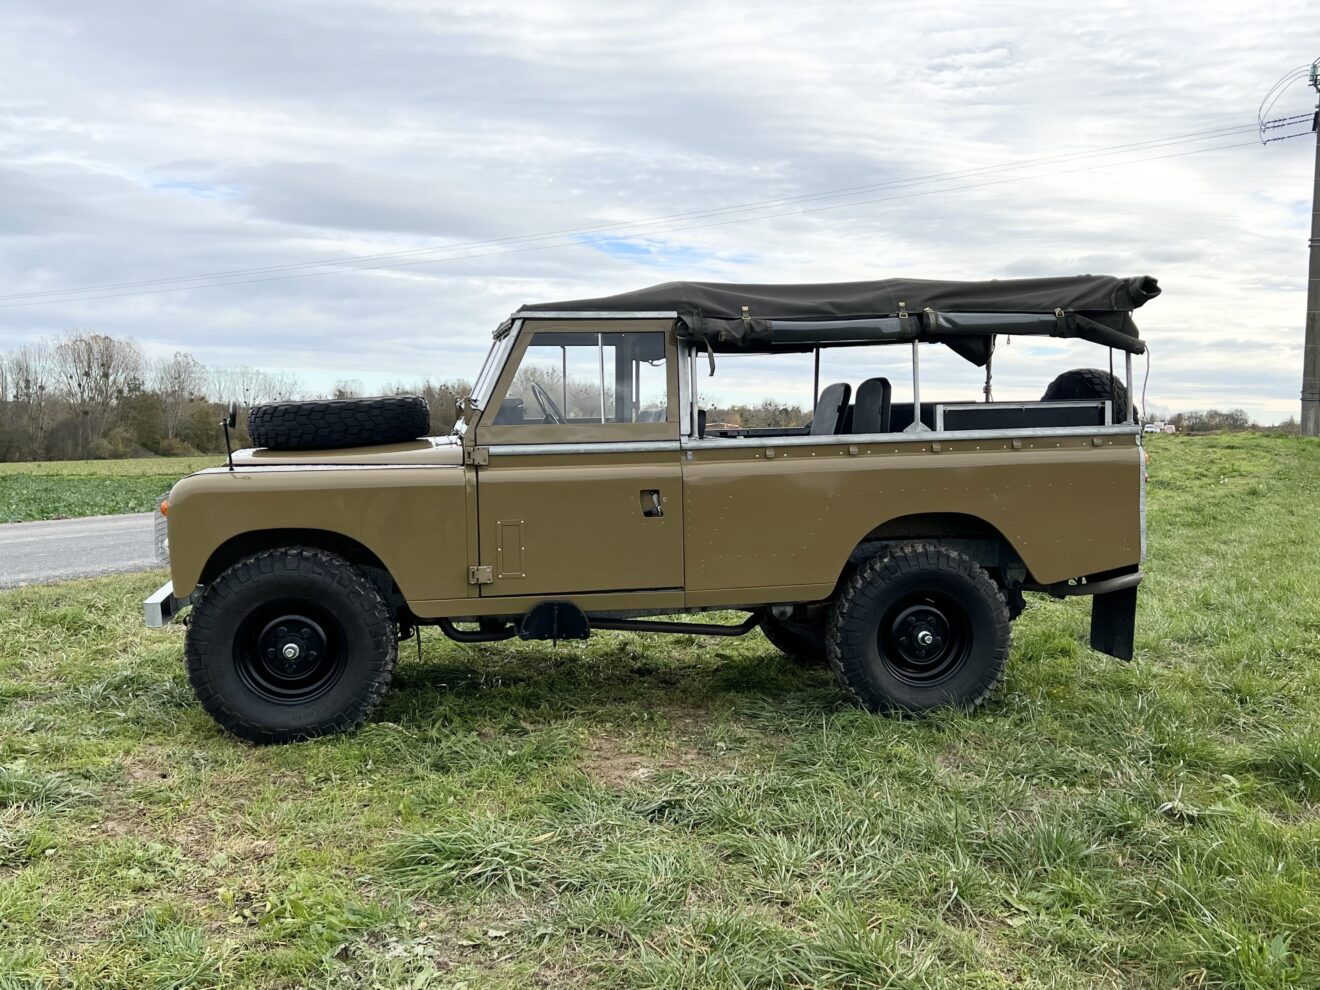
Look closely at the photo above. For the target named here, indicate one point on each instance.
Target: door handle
(651, 507)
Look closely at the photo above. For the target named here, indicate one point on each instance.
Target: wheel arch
(969, 534)
(245, 544)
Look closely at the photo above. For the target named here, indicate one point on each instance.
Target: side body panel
(576, 523)
(771, 521)
(413, 518)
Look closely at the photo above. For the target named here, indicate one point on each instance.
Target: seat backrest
(872, 412)
(827, 420)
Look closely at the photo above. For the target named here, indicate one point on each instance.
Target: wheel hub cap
(921, 633)
(290, 646)
(924, 638)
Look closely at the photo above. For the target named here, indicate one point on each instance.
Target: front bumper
(162, 606)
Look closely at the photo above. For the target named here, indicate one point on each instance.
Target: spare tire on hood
(327, 423)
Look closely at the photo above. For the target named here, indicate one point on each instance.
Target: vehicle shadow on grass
(617, 679)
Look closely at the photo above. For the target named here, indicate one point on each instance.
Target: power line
(1275, 92)
(674, 229)
(235, 276)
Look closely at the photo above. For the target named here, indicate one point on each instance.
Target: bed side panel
(791, 515)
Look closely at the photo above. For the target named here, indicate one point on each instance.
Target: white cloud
(140, 142)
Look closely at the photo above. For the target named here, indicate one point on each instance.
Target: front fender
(413, 519)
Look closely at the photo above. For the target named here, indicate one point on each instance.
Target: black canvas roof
(964, 315)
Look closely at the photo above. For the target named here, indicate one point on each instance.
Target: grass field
(680, 812)
(64, 489)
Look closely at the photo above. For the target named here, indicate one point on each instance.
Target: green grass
(64, 489)
(680, 812)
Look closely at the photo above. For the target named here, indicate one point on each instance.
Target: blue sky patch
(199, 190)
(656, 254)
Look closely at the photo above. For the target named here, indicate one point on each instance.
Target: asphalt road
(37, 552)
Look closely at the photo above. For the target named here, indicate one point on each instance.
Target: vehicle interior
(868, 408)
(572, 377)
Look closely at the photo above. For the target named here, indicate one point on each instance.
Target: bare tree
(347, 388)
(178, 380)
(249, 386)
(94, 372)
(441, 397)
(283, 386)
(29, 372)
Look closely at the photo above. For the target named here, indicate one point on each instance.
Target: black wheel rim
(924, 638)
(290, 652)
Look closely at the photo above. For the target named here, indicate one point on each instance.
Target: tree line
(86, 395)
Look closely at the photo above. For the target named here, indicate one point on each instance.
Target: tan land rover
(583, 489)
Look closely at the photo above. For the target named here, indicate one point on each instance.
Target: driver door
(582, 489)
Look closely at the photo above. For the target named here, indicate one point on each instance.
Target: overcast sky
(146, 141)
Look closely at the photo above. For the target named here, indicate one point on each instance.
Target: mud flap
(1114, 623)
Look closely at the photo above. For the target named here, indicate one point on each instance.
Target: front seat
(831, 407)
(872, 412)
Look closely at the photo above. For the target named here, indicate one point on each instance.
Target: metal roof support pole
(693, 400)
(916, 384)
(1127, 413)
(815, 383)
(600, 350)
(917, 425)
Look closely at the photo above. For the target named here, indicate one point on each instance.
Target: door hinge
(476, 456)
(481, 574)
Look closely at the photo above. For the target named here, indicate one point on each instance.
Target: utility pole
(1311, 351)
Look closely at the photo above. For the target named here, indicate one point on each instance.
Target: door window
(575, 379)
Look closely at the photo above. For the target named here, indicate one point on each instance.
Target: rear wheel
(923, 627)
(290, 644)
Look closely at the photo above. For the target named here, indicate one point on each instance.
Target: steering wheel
(548, 408)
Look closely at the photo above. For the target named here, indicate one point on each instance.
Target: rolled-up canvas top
(966, 316)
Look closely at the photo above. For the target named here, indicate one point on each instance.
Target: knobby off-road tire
(339, 634)
(1082, 384)
(330, 423)
(801, 640)
(923, 627)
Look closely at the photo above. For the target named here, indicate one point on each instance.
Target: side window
(574, 378)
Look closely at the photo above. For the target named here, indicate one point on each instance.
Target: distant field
(685, 813)
(65, 489)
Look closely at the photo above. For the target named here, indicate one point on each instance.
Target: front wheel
(924, 627)
(289, 644)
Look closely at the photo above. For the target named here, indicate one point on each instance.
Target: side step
(688, 628)
(554, 621)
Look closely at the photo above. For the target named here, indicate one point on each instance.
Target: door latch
(651, 507)
(481, 574)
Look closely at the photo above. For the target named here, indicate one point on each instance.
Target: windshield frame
(493, 365)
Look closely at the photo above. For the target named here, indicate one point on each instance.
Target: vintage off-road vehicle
(582, 489)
